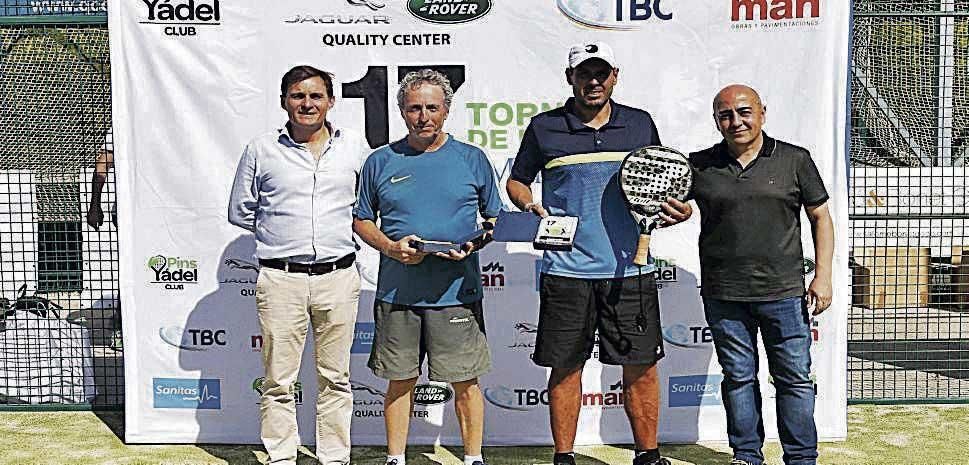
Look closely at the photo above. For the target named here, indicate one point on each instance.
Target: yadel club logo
(183, 18)
(174, 273)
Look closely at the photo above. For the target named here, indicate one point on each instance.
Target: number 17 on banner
(373, 89)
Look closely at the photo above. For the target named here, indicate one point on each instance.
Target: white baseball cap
(584, 51)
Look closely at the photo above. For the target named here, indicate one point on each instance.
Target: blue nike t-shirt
(436, 196)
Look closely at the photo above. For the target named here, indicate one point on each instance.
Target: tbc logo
(362, 338)
(173, 272)
(192, 338)
(774, 9)
(448, 11)
(694, 391)
(183, 16)
(526, 399)
(613, 14)
(187, 393)
(689, 337)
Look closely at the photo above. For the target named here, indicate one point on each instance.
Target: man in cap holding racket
(428, 186)
(750, 189)
(578, 149)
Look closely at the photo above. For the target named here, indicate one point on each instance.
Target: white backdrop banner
(194, 80)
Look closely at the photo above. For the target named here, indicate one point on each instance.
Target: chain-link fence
(60, 327)
(909, 320)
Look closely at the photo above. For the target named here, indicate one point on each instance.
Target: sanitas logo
(688, 337)
(257, 385)
(173, 272)
(493, 276)
(620, 15)
(362, 338)
(448, 11)
(694, 391)
(182, 17)
(526, 399)
(187, 393)
(193, 338)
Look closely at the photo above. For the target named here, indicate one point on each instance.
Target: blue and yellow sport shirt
(580, 177)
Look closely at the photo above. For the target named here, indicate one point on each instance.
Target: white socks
(470, 459)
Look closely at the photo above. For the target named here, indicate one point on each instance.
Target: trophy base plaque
(556, 233)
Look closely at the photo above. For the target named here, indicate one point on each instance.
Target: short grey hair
(415, 79)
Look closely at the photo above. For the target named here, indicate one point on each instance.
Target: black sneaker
(563, 459)
(478, 462)
(641, 460)
(739, 462)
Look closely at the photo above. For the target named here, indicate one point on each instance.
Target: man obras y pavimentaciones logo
(173, 272)
(448, 11)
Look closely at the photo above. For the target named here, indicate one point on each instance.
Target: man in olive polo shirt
(750, 189)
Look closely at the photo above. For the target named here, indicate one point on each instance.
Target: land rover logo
(809, 266)
(430, 394)
(448, 11)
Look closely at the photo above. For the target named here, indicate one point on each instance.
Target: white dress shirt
(298, 208)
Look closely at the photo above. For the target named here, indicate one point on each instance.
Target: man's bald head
(732, 91)
(740, 115)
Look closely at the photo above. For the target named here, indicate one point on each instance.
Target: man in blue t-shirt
(427, 187)
(596, 287)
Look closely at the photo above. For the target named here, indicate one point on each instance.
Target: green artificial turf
(904, 434)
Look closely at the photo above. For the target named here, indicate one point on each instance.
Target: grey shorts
(452, 338)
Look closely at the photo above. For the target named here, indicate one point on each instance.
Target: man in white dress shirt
(294, 189)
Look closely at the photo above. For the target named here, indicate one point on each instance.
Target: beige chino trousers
(287, 304)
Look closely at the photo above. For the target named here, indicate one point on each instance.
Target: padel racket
(647, 177)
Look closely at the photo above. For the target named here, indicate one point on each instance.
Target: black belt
(309, 268)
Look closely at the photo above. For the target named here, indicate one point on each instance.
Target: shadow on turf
(421, 455)
(114, 420)
(945, 357)
(697, 454)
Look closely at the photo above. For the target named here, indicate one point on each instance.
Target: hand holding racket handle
(642, 250)
(647, 178)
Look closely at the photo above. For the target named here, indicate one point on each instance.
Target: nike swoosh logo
(395, 180)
